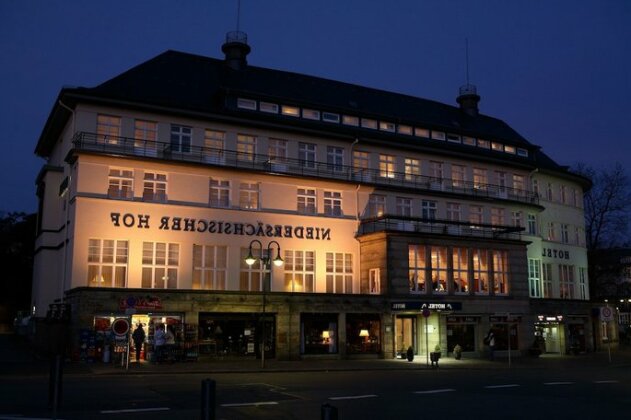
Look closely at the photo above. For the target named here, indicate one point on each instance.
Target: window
(453, 138)
(566, 281)
(453, 212)
(181, 138)
(500, 272)
(421, 132)
(509, 149)
(436, 170)
(209, 267)
(268, 107)
(549, 192)
(246, 147)
(219, 193)
(251, 277)
(387, 126)
(516, 218)
(107, 263)
(562, 194)
(551, 232)
(121, 183)
(412, 169)
(535, 187)
(318, 333)
(439, 269)
(350, 120)
(145, 136)
(307, 155)
(534, 277)
(246, 104)
(154, 187)
(291, 111)
(576, 198)
(501, 183)
(311, 114)
(249, 196)
(532, 224)
(404, 129)
(546, 271)
(335, 158)
(160, 263)
(469, 141)
(582, 283)
(428, 210)
(438, 135)
(108, 129)
(361, 163)
(497, 216)
(299, 271)
(460, 263)
(499, 147)
(214, 146)
(480, 271)
(377, 205)
(332, 203)
(519, 184)
(404, 206)
(479, 178)
(339, 272)
(458, 177)
(565, 233)
(386, 166)
(475, 215)
(330, 117)
(417, 263)
(306, 201)
(277, 151)
(368, 123)
(374, 281)
(484, 144)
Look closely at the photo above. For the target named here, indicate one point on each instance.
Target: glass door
(405, 328)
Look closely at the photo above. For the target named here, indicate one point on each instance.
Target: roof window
(330, 117)
(469, 141)
(421, 132)
(509, 149)
(311, 114)
(499, 147)
(405, 129)
(368, 123)
(387, 126)
(438, 135)
(292, 111)
(268, 107)
(246, 104)
(522, 152)
(485, 144)
(350, 120)
(453, 138)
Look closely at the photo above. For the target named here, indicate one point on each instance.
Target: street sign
(120, 326)
(606, 313)
(426, 312)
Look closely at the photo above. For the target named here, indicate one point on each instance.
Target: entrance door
(405, 334)
(551, 336)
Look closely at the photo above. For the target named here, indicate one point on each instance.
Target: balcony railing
(437, 227)
(258, 162)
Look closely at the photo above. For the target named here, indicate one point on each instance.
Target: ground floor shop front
(228, 325)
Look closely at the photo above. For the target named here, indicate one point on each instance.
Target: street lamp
(265, 259)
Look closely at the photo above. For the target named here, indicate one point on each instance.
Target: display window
(236, 335)
(460, 334)
(318, 333)
(502, 332)
(363, 333)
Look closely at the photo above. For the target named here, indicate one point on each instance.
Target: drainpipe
(66, 197)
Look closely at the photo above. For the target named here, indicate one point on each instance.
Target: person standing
(490, 339)
(159, 340)
(139, 338)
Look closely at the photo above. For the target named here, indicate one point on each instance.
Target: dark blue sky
(559, 72)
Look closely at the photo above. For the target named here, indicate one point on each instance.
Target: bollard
(208, 399)
(328, 412)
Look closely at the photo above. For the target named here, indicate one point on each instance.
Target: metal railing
(437, 227)
(290, 166)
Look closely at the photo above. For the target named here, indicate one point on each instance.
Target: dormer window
(246, 104)
(469, 141)
(311, 114)
(498, 147)
(387, 126)
(485, 144)
(291, 111)
(268, 107)
(453, 138)
(438, 135)
(349, 120)
(510, 149)
(421, 132)
(330, 117)
(368, 123)
(522, 152)
(405, 129)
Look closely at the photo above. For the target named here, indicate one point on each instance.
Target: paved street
(560, 386)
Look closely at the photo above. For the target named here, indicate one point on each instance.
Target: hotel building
(376, 221)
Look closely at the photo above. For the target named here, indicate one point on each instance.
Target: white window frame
(249, 195)
(335, 158)
(339, 272)
(155, 187)
(107, 255)
(210, 267)
(306, 202)
(181, 138)
(299, 267)
(161, 261)
(534, 277)
(333, 203)
(307, 154)
(121, 183)
(219, 193)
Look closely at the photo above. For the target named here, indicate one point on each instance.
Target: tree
(607, 206)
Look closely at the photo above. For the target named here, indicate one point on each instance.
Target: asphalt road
(578, 393)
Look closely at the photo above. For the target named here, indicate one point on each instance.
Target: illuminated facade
(399, 221)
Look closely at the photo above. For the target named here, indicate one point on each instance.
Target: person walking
(139, 338)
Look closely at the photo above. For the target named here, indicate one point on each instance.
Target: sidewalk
(16, 358)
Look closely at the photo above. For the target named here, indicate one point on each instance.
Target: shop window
(363, 333)
(318, 334)
(501, 331)
(460, 334)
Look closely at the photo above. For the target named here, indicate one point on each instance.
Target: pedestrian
(490, 341)
(139, 338)
(159, 340)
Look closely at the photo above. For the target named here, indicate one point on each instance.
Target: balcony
(295, 167)
(437, 227)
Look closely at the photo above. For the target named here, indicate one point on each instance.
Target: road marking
(435, 391)
(250, 404)
(558, 383)
(135, 410)
(607, 382)
(353, 397)
(501, 386)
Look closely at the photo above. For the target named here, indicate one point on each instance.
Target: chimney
(468, 99)
(236, 49)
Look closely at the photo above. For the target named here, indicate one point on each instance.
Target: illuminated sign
(185, 224)
(436, 306)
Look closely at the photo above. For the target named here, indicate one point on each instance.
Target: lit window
(376, 205)
(387, 126)
(277, 151)
(145, 136)
(214, 146)
(368, 123)
(421, 132)
(246, 104)
(484, 144)
(246, 147)
(481, 271)
(510, 149)
(500, 272)
(209, 267)
(291, 111)
(160, 263)
(479, 178)
(439, 269)
(469, 141)
(412, 169)
(330, 117)
(458, 175)
(566, 281)
(311, 114)
(299, 270)
(107, 263)
(386, 166)
(349, 120)
(339, 272)
(497, 146)
(108, 129)
(438, 135)
(249, 195)
(268, 107)
(405, 129)
(417, 263)
(497, 216)
(475, 215)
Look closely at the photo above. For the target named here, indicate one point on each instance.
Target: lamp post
(278, 261)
